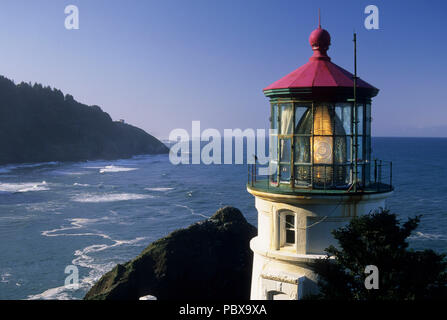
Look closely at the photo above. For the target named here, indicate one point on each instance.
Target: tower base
(293, 232)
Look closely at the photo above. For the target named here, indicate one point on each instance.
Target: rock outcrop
(210, 260)
(40, 124)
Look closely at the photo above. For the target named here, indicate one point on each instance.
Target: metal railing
(374, 176)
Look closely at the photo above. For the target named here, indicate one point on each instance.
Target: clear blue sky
(162, 64)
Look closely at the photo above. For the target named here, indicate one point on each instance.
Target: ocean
(96, 214)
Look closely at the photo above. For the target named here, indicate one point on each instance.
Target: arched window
(289, 229)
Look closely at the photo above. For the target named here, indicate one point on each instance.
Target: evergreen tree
(379, 239)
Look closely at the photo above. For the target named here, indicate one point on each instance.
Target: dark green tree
(39, 124)
(379, 239)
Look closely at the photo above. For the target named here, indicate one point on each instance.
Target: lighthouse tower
(320, 174)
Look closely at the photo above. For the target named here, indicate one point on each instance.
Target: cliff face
(210, 260)
(40, 124)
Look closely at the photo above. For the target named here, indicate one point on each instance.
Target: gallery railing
(374, 176)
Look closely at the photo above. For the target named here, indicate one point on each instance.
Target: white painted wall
(276, 267)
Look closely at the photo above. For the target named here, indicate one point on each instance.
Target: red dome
(320, 39)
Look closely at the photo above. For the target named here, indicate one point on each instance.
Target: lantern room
(321, 126)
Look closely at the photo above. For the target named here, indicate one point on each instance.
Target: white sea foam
(428, 236)
(76, 223)
(112, 169)
(83, 259)
(191, 211)
(111, 197)
(23, 187)
(58, 293)
(81, 184)
(5, 277)
(83, 256)
(159, 189)
(70, 173)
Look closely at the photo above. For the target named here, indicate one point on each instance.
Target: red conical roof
(320, 71)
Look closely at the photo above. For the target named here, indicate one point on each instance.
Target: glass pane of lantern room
(349, 148)
(368, 119)
(360, 120)
(301, 112)
(273, 147)
(341, 166)
(303, 130)
(303, 175)
(367, 174)
(360, 148)
(285, 152)
(367, 147)
(343, 112)
(273, 171)
(285, 155)
(302, 150)
(274, 117)
(303, 120)
(286, 120)
(284, 173)
(341, 175)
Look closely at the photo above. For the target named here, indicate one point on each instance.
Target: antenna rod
(356, 148)
(319, 19)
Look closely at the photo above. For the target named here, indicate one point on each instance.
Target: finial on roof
(320, 40)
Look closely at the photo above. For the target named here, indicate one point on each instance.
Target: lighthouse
(321, 173)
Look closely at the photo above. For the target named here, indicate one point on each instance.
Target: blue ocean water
(99, 213)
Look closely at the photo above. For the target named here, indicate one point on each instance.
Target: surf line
(192, 211)
(77, 223)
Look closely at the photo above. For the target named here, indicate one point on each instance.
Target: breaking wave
(111, 169)
(23, 187)
(427, 236)
(97, 198)
(159, 189)
(83, 257)
(81, 184)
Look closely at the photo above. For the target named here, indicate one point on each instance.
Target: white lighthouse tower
(321, 172)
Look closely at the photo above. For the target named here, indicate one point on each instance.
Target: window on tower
(289, 229)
